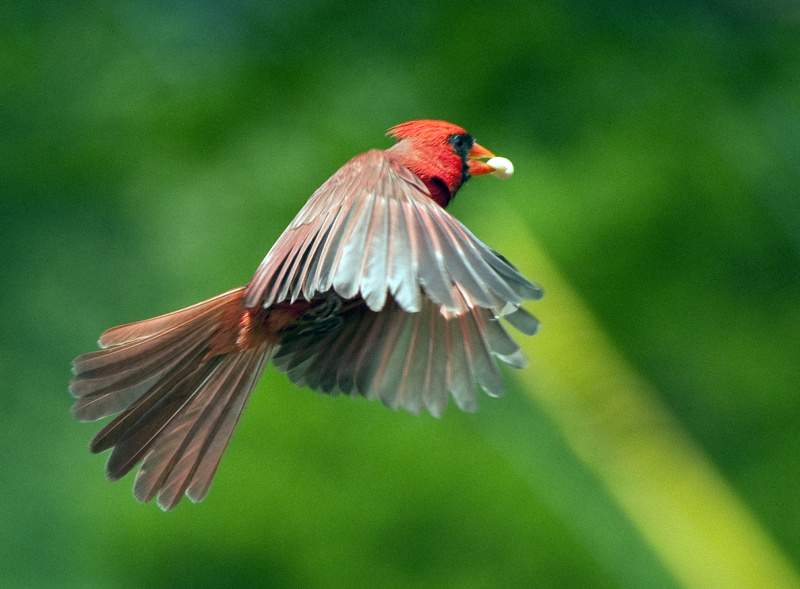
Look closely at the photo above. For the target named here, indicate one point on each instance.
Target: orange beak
(477, 168)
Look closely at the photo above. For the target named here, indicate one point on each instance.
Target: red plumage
(373, 290)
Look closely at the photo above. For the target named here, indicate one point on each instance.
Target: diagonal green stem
(616, 425)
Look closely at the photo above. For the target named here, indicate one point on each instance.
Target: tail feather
(197, 458)
(114, 430)
(178, 401)
(162, 461)
(142, 329)
(110, 388)
(138, 439)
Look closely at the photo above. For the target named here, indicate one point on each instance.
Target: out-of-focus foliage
(151, 152)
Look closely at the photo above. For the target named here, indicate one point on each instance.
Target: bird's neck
(441, 184)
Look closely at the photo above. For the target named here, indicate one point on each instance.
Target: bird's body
(372, 290)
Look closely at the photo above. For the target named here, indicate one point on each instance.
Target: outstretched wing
(371, 231)
(410, 360)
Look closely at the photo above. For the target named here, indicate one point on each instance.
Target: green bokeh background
(150, 153)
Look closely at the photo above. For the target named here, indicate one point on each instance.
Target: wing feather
(408, 391)
(458, 371)
(331, 251)
(434, 392)
(378, 358)
(433, 276)
(484, 369)
(372, 230)
(401, 266)
(410, 360)
(374, 273)
(350, 259)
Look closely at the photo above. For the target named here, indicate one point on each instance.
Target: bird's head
(443, 156)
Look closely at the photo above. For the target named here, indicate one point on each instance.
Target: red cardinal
(372, 290)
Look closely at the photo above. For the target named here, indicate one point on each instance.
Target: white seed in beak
(503, 168)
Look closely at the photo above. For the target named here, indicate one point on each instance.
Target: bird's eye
(461, 143)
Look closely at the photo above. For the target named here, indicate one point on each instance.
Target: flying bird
(373, 290)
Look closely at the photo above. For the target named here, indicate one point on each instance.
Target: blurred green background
(150, 153)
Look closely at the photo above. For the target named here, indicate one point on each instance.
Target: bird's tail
(178, 399)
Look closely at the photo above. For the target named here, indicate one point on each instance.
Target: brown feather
(180, 382)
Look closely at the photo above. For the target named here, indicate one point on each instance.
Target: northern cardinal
(372, 290)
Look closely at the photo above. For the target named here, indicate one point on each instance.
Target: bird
(373, 290)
